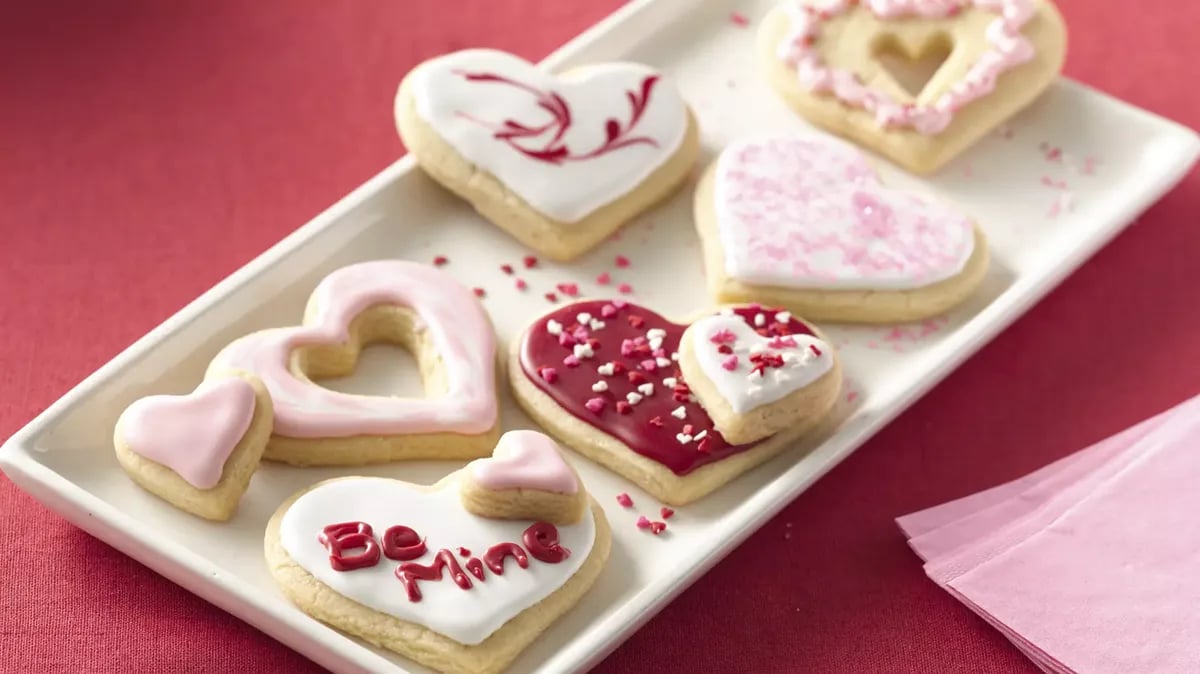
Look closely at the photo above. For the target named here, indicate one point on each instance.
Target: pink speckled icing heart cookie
(804, 222)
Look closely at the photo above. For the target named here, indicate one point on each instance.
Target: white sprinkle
(700, 436)
(596, 324)
(783, 317)
(605, 369)
(656, 333)
(647, 389)
(756, 375)
(584, 351)
(662, 362)
(670, 382)
(760, 320)
(675, 355)
(583, 318)
(553, 327)
(600, 386)
(655, 343)
(679, 412)
(633, 397)
(683, 438)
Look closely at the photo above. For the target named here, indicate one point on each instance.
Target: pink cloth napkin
(1091, 564)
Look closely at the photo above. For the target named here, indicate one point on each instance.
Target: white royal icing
(468, 114)
(743, 389)
(466, 616)
(808, 211)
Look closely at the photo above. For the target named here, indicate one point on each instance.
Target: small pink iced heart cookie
(755, 386)
(559, 162)
(416, 570)
(804, 222)
(525, 478)
(197, 451)
(414, 305)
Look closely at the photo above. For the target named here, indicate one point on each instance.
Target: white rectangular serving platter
(1044, 217)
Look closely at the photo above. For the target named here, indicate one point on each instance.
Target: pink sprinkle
(608, 311)
(851, 396)
(627, 347)
(566, 339)
(730, 363)
(624, 288)
(549, 374)
(723, 336)
(521, 284)
(604, 279)
(551, 297)
(642, 522)
(440, 260)
(666, 513)
(738, 19)
(595, 405)
(624, 407)
(621, 261)
(529, 261)
(568, 289)
(507, 269)
(624, 500)
(782, 342)
(1054, 154)
(620, 304)
(649, 365)
(657, 528)
(571, 361)
(479, 292)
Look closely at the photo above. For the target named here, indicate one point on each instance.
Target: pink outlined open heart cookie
(829, 61)
(559, 162)
(804, 222)
(197, 451)
(414, 305)
(411, 569)
(602, 377)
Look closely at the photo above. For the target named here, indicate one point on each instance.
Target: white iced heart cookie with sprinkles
(604, 378)
(557, 161)
(805, 223)
(197, 451)
(413, 305)
(832, 61)
(753, 385)
(412, 569)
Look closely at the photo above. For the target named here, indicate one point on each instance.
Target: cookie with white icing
(804, 222)
(416, 306)
(557, 161)
(757, 385)
(409, 568)
(604, 377)
(197, 451)
(829, 60)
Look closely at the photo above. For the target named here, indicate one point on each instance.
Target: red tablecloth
(149, 148)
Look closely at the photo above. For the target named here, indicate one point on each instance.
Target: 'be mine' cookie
(197, 451)
(832, 61)
(804, 222)
(603, 377)
(416, 570)
(559, 162)
(414, 305)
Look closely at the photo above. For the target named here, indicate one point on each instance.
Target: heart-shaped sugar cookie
(804, 221)
(414, 305)
(557, 161)
(197, 450)
(410, 569)
(525, 478)
(602, 377)
(827, 58)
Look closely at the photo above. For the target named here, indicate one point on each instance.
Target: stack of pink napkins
(1091, 564)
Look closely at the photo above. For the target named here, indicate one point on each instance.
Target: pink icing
(525, 460)
(808, 211)
(454, 320)
(191, 434)
(1008, 49)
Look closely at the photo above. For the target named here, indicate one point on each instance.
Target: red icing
(402, 543)
(635, 426)
(541, 539)
(411, 572)
(340, 539)
(495, 555)
(475, 567)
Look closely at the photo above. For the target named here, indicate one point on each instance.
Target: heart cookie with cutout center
(422, 308)
(557, 161)
(409, 568)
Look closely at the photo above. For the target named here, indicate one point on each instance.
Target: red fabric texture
(147, 149)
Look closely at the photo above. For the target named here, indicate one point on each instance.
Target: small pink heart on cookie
(754, 386)
(197, 450)
(525, 478)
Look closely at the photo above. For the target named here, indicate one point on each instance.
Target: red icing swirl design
(340, 539)
(411, 572)
(598, 370)
(541, 540)
(494, 557)
(402, 544)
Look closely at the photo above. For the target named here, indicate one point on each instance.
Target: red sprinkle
(440, 260)
(549, 374)
(624, 288)
(621, 261)
(739, 19)
(666, 512)
(624, 407)
(464, 552)
(568, 289)
(636, 321)
(479, 292)
(703, 446)
(595, 405)
(815, 350)
(624, 500)
(521, 284)
(530, 261)
(657, 528)
(551, 297)
(657, 422)
(642, 522)
(604, 279)
(507, 269)
(688, 428)
(649, 365)
(636, 377)
(725, 348)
